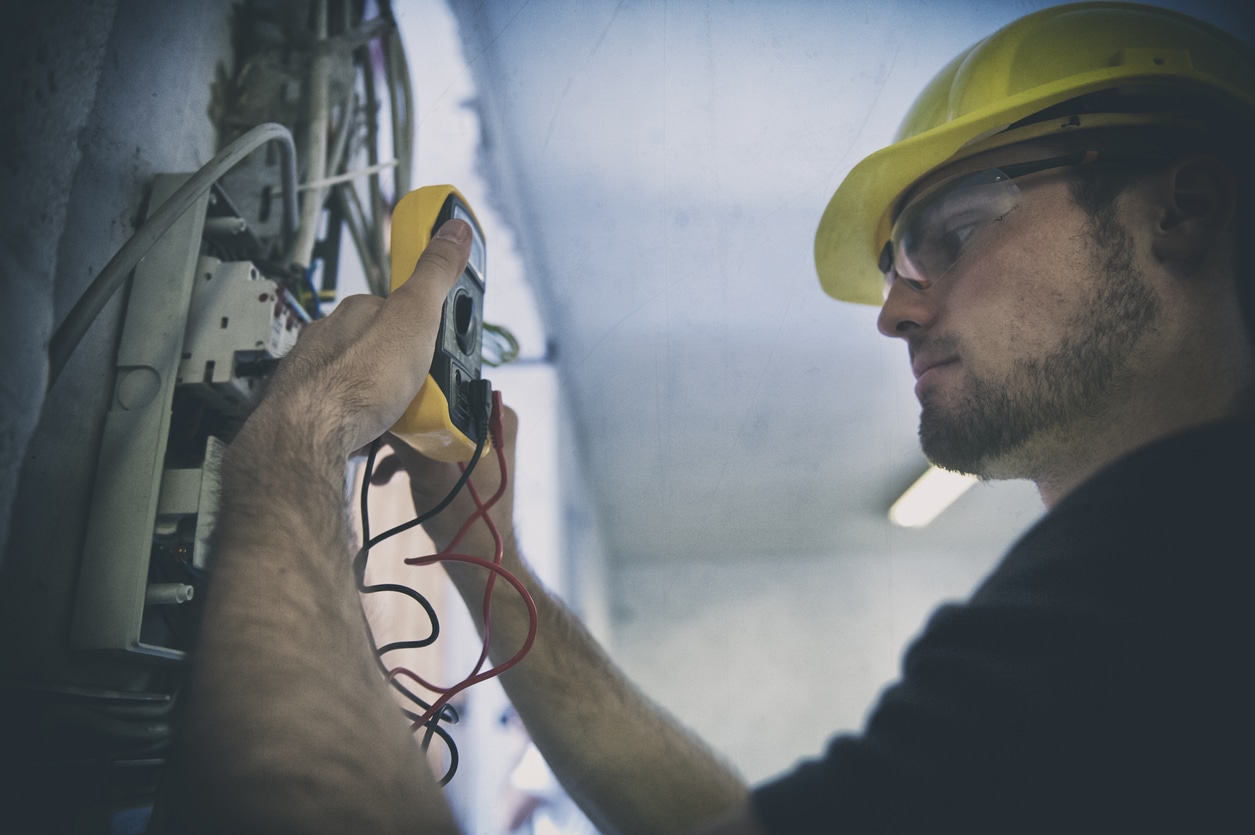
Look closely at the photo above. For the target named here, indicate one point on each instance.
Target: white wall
(770, 658)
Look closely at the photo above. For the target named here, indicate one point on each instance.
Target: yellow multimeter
(441, 421)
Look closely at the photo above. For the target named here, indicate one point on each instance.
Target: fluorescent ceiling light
(924, 500)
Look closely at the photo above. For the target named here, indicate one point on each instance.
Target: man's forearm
(290, 727)
(630, 765)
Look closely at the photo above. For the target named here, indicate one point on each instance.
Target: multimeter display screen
(478, 251)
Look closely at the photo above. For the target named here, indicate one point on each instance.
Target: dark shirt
(1098, 680)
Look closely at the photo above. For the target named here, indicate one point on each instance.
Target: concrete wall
(51, 58)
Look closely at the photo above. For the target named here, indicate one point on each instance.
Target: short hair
(1199, 127)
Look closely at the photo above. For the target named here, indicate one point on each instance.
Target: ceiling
(665, 165)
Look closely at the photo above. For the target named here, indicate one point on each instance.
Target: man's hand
(653, 778)
(351, 375)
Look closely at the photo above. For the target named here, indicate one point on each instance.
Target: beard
(989, 430)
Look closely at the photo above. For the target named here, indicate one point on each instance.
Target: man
(1059, 234)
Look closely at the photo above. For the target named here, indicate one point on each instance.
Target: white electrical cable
(401, 97)
(70, 332)
(302, 252)
(355, 220)
(349, 175)
(336, 159)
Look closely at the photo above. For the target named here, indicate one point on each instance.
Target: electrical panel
(202, 334)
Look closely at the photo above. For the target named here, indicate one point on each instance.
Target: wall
(769, 659)
(50, 65)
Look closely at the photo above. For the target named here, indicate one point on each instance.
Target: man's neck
(1076, 454)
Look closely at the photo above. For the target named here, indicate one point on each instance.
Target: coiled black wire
(448, 713)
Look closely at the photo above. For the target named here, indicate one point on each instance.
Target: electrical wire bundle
(440, 710)
(340, 55)
(340, 59)
(334, 73)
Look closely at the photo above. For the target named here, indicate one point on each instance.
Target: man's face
(1029, 334)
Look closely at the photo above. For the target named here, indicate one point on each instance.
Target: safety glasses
(944, 223)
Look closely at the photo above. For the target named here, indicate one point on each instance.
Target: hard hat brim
(857, 220)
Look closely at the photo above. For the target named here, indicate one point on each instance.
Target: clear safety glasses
(944, 223)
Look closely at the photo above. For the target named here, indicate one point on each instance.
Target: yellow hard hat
(1029, 66)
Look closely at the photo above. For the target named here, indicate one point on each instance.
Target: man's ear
(1197, 197)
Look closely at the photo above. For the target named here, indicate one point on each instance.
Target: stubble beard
(996, 428)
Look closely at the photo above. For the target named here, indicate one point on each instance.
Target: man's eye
(953, 240)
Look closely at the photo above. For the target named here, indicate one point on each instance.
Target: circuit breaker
(239, 323)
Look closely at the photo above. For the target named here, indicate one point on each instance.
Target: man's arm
(289, 726)
(630, 766)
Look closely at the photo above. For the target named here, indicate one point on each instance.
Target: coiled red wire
(495, 567)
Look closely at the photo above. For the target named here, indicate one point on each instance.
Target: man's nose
(905, 311)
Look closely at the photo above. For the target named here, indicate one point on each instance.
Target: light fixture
(931, 493)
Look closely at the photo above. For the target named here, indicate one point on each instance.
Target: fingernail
(455, 230)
